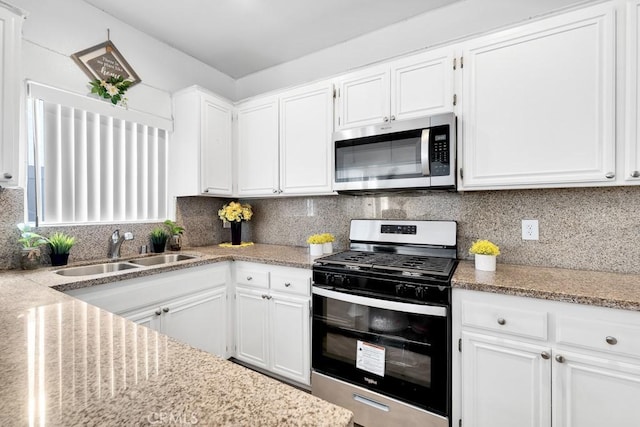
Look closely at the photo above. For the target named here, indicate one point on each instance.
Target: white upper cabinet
(411, 87)
(258, 147)
(200, 149)
(284, 143)
(538, 106)
(306, 117)
(10, 32)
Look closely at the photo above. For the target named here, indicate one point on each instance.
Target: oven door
(397, 349)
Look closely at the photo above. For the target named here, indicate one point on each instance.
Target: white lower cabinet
(189, 305)
(272, 305)
(528, 362)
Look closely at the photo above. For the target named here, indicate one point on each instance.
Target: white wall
(453, 22)
(56, 29)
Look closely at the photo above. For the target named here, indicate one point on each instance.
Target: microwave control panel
(439, 151)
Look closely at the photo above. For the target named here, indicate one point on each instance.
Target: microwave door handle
(424, 152)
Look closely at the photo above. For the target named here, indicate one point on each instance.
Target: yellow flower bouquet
(235, 212)
(485, 254)
(321, 243)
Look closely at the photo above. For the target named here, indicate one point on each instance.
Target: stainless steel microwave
(408, 154)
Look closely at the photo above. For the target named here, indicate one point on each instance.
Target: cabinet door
(215, 148)
(289, 334)
(505, 383)
(10, 30)
(149, 317)
(258, 148)
(422, 85)
(306, 123)
(594, 392)
(363, 98)
(199, 321)
(539, 103)
(251, 327)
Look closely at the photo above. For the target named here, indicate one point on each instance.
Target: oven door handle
(429, 310)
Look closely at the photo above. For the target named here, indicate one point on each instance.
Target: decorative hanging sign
(103, 61)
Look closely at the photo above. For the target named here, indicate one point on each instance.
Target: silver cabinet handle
(501, 321)
(545, 355)
(275, 191)
(635, 174)
(249, 278)
(560, 359)
(611, 340)
(286, 285)
(158, 312)
(393, 118)
(610, 175)
(7, 175)
(386, 119)
(166, 309)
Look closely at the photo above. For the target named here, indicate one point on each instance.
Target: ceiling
(241, 37)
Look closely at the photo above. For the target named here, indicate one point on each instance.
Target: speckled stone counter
(65, 362)
(290, 256)
(579, 286)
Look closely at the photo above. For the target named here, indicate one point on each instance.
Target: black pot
(59, 259)
(158, 247)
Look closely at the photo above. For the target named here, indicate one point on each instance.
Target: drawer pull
(158, 312)
(166, 309)
(370, 402)
(501, 321)
(286, 285)
(249, 278)
(560, 359)
(611, 340)
(545, 355)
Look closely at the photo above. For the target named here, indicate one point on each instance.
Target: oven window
(395, 353)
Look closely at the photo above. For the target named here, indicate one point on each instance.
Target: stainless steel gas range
(381, 340)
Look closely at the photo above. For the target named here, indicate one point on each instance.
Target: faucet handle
(128, 235)
(115, 235)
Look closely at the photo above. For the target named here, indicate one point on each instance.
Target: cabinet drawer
(514, 321)
(252, 277)
(299, 284)
(613, 337)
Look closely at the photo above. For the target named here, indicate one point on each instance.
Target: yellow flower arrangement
(318, 239)
(484, 247)
(235, 211)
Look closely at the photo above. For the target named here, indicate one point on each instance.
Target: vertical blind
(91, 162)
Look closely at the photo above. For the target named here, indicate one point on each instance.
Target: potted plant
(485, 254)
(175, 231)
(31, 242)
(327, 244)
(236, 214)
(315, 242)
(159, 237)
(60, 245)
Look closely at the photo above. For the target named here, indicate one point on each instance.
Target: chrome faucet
(116, 241)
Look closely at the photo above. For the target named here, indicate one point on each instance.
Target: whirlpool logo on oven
(370, 381)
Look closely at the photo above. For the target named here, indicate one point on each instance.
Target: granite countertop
(65, 362)
(603, 289)
(289, 256)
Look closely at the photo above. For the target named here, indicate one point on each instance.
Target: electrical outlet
(530, 229)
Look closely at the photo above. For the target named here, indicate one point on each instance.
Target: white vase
(327, 248)
(315, 249)
(485, 262)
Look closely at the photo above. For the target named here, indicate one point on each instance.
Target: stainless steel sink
(92, 270)
(161, 259)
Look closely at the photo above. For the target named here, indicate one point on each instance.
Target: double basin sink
(112, 267)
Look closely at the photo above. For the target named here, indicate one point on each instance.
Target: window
(91, 162)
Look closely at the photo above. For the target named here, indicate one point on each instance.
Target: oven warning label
(370, 358)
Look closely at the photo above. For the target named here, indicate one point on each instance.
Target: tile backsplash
(581, 228)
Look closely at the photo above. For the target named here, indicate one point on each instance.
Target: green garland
(112, 89)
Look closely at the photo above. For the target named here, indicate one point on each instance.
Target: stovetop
(413, 265)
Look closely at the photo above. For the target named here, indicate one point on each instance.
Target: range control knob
(337, 279)
(400, 289)
(419, 292)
